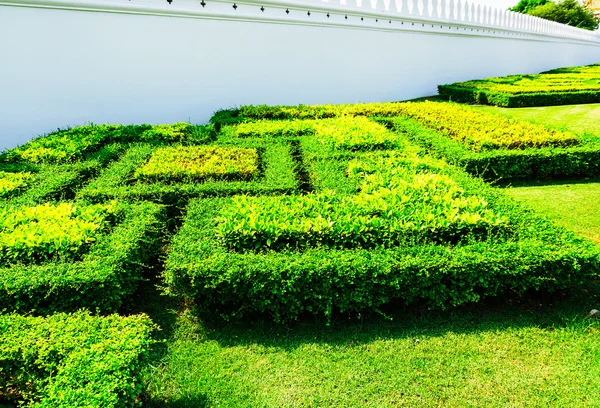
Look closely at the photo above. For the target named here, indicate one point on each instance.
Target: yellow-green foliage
(344, 132)
(575, 79)
(484, 131)
(49, 231)
(396, 205)
(270, 128)
(304, 112)
(176, 132)
(354, 133)
(10, 182)
(189, 163)
(63, 145)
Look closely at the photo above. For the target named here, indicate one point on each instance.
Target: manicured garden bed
(563, 86)
(382, 224)
(313, 216)
(63, 257)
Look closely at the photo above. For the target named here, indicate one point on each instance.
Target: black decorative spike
(362, 19)
(169, 1)
(308, 14)
(287, 11)
(203, 3)
(262, 8)
(234, 6)
(346, 17)
(377, 20)
(327, 15)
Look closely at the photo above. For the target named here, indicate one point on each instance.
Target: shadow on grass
(542, 310)
(194, 401)
(557, 181)
(182, 324)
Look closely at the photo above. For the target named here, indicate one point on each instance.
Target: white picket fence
(69, 62)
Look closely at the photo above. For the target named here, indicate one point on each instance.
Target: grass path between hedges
(577, 118)
(572, 204)
(538, 351)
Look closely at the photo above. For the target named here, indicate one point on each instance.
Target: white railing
(451, 17)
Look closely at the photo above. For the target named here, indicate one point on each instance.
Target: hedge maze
(381, 221)
(285, 212)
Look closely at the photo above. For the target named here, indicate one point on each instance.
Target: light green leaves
(397, 205)
(44, 232)
(484, 131)
(198, 163)
(10, 182)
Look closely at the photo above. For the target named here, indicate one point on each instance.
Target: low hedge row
(54, 182)
(73, 360)
(347, 132)
(11, 183)
(73, 144)
(470, 95)
(572, 85)
(250, 113)
(99, 278)
(275, 175)
(51, 232)
(481, 131)
(507, 164)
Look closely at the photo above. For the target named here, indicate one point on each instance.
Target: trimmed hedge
(11, 183)
(346, 132)
(70, 145)
(287, 281)
(287, 284)
(100, 278)
(395, 206)
(275, 175)
(51, 232)
(506, 164)
(574, 85)
(74, 360)
(470, 95)
(199, 163)
(54, 182)
(481, 131)
(249, 113)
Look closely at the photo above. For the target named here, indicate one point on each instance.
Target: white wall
(63, 68)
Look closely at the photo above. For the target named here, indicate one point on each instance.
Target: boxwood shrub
(98, 273)
(572, 85)
(53, 182)
(582, 160)
(73, 360)
(69, 145)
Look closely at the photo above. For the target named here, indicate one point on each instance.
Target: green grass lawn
(573, 204)
(536, 351)
(540, 354)
(578, 118)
